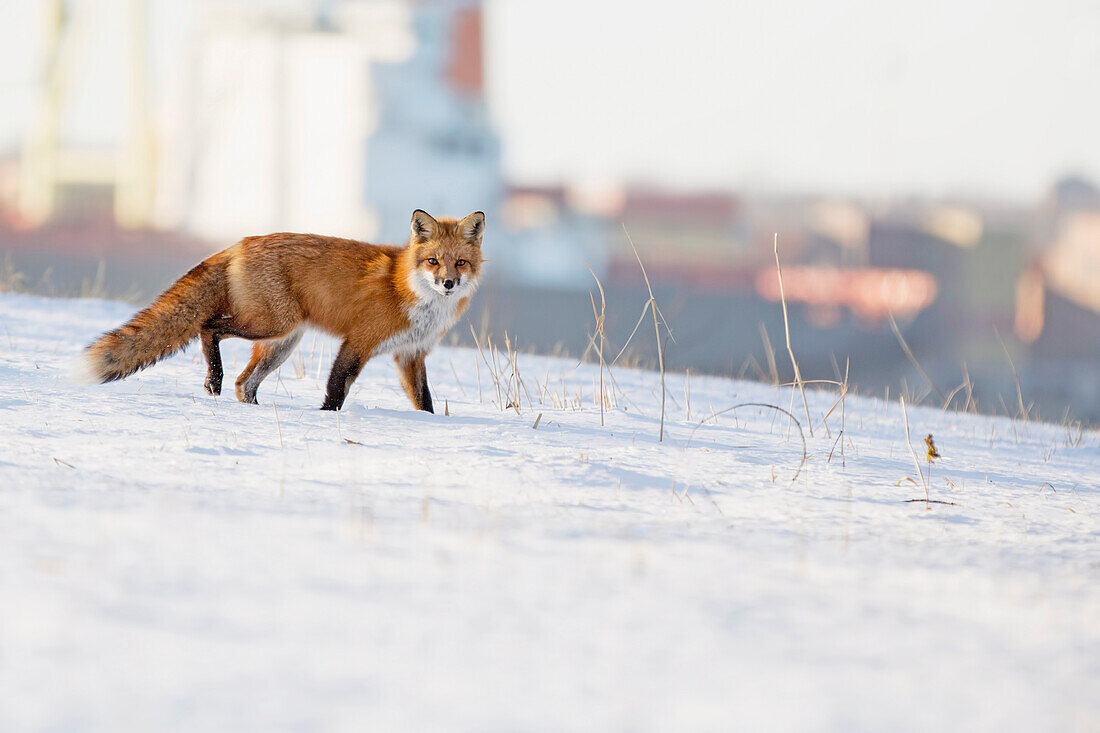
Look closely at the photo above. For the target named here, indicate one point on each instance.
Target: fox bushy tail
(162, 329)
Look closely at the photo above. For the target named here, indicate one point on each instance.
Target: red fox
(379, 299)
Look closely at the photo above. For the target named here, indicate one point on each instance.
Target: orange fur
(266, 288)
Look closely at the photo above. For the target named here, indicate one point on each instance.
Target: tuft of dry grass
(510, 386)
(11, 279)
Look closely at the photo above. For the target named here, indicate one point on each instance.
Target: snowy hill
(171, 561)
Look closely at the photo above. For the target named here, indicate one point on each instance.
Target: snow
(171, 561)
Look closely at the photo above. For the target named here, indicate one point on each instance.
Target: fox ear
(472, 227)
(423, 226)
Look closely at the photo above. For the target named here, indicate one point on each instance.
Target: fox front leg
(345, 369)
(414, 378)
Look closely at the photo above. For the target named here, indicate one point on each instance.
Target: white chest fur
(429, 319)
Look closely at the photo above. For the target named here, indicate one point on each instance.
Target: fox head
(446, 253)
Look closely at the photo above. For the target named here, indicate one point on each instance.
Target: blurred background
(933, 163)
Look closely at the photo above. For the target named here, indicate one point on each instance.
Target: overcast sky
(879, 98)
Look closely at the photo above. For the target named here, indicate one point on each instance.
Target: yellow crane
(48, 165)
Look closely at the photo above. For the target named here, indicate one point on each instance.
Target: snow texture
(171, 561)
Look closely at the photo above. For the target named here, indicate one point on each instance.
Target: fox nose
(448, 284)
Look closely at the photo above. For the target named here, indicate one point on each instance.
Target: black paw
(213, 387)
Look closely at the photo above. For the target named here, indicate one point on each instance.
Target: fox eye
(433, 261)
(460, 263)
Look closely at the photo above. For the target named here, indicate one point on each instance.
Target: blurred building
(556, 237)
(64, 173)
(698, 239)
(432, 146)
(342, 120)
(333, 117)
(1058, 293)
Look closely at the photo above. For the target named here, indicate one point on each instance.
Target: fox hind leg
(266, 358)
(213, 353)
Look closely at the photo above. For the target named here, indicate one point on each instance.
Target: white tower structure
(339, 118)
(434, 147)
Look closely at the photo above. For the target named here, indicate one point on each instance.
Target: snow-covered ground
(171, 561)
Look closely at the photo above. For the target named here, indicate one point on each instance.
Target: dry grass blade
(637, 325)
(1015, 377)
(656, 331)
(773, 371)
(842, 388)
(766, 405)
(790, 351)
(913, 453)
(491, 367)
(843, 411)
(970, 405)
(912, 358)
(951, 395)
(599, 316)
